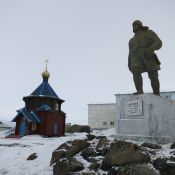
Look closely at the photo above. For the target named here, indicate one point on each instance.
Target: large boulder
(88, 154)
(90, 137)
(172, 158)
(63, 167)
(94, 166)
(172, 146)
(138, 169)
(56, 155)
(112, 171)
(79, 128)
(164, 166)
(102, 146)
(151, 145)
(121, 152)
(123, 170)
(77, 146)
(101, 137)
(144, 169)
(68, 149)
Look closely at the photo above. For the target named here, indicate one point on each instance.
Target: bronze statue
(142, 57)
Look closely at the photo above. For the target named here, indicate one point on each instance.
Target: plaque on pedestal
(134, 108)
(147, 118)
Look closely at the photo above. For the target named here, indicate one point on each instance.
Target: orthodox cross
(46, 63)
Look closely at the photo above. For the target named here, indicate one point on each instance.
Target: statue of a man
(142, 57)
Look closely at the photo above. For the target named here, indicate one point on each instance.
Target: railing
(10, 132)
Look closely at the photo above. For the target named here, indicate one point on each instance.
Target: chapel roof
(29, 116)
(44, 89)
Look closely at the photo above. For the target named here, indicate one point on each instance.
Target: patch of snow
(105, 132)
(13, 159)
(164, 151)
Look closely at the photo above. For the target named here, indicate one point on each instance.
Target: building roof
(29, 116)
(44, 89)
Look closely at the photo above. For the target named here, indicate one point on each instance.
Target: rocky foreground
(105, 155)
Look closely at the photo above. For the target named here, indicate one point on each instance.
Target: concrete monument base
(147, 118)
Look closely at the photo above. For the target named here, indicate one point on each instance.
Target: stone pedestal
(147, 118)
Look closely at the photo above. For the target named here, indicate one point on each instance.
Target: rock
(65, 145)
(151, 145)
(172, 146)
(67, 126)
(102, 146)
(68, 149)
(172, 152)
(138, 169)
(77, 146)
(92, 160)
(121, 152)
(88, 152)
(165, 168)
(160, 163)
(172, 158)
(79, 128)
(94, 166)
(112, 171)
(56, 155)
(101, 137)
(32, 156)
(144, 169)
(90, 136)
(63, 167)
(153, 152)
(124, 171)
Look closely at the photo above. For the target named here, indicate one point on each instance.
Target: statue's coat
(141, 51)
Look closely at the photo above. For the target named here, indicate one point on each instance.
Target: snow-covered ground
(14, 152)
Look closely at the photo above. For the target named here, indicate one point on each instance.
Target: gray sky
(86, 43)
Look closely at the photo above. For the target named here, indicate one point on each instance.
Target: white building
(104, 116)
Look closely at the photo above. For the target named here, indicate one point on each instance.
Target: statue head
(137, 26)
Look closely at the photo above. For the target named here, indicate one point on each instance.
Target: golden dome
(46, 74)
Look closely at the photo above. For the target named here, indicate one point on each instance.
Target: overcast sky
(86, 43)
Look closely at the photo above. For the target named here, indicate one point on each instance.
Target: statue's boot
(155, 86)
(154, 82)
(138, 93)
(137, 77)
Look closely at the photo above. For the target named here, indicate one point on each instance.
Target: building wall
(109, 112)
(55, 118)
(48, 119)
(46, 127)
(34, 103)
(41, 127)
(168, 95)
(27, 127)
(102, 116)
